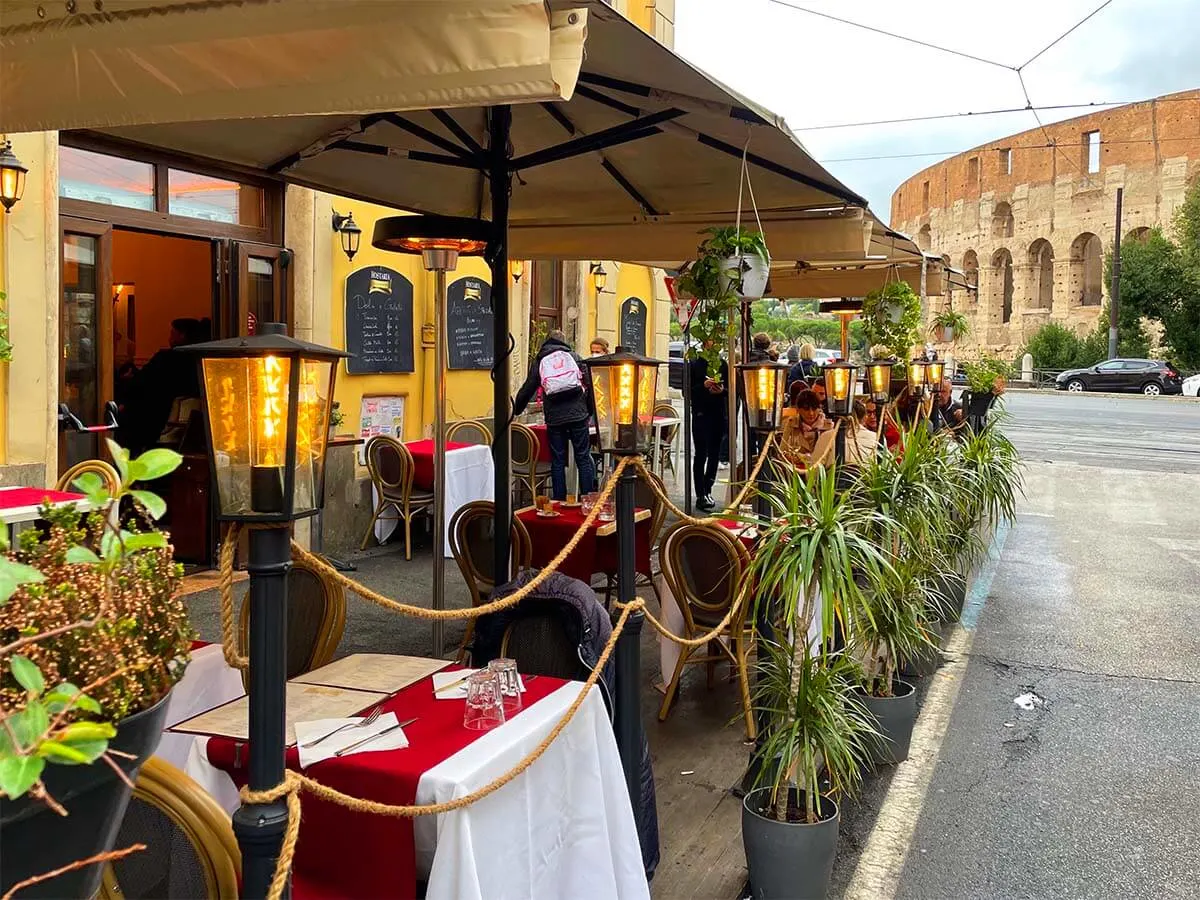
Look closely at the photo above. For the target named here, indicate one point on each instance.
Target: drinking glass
(485, 703)
(608, 512)
(510, 683)
(589, 500)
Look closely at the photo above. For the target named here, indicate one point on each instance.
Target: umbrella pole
(731, 395)
(687, 418)
(499, 181)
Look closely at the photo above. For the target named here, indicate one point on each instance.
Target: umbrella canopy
(648, 149)
(134, 62)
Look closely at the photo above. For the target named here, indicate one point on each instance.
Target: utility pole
(1115, 291)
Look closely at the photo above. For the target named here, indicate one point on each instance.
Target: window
(973, 172)
(1091, 151)
(925, 195)
(546, 309)
(215, 199)
(1111, 366)
(1006, 161)
(98, 178)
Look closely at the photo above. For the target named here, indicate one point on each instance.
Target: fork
(361, 724)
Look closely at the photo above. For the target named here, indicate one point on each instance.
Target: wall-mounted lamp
(350, 232)
(516, 268)
(12, 177)
(599, 275)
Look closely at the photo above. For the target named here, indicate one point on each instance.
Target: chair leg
(710, 668)
(371, 527)
(673, 684)
(407, 534)
(461, 656)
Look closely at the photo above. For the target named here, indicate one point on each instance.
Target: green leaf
(154, 464)
(15, 574)
(61, 753)
(155, 505)
(28, 675)
(77, 732)
(81, 555)
(89, 483)
(120, 458)
(30, 724)
(19, 773)
(150, 540)
(92, 750)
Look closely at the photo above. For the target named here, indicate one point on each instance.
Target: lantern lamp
(879, 379)
(765, 388)
(516, 268)
(267, 399)
(12, 177)
(934, 370)
(599, 276)
(841, 379)
(624, 387)
(917, 373)
(351, 234)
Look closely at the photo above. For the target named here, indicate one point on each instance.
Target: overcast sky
(813, 71)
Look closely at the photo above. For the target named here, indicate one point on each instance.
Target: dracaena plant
(91, 627)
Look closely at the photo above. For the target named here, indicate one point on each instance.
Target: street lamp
(12, 177)
(879, 380)
(934, 370)
(624, 386)
(599, 276)
(917, 374)
(516, 268)
(765, 386)
(350, 233)
(841, 380)
(440, 240)
(266, 401)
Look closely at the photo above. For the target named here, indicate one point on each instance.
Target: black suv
(1147, 376)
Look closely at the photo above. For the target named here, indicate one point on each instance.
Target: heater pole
(439, 458)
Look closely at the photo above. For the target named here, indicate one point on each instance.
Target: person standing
(804, 367)
(710, 418)
(566, 408)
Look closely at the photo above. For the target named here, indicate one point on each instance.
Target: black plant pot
(923, 664)
(788, 860)
(951, 588)
(977, 406)
(894, 719)
(36, 840)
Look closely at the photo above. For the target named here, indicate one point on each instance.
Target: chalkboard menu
(379, 321)
(633, 326)
(470, 324)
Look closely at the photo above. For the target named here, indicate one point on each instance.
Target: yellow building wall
(468, 393)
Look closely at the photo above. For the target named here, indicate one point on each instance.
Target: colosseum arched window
(1002, 283)
(925, 237)
(1086, 276)
(1041, 274)
(970, 267)
(1138, 234)
(1002, 221)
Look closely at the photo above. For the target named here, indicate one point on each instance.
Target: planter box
(894, 718)
(788, 859)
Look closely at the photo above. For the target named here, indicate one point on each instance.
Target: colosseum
(1033, 214)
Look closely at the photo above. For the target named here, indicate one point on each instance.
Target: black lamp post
(624, 386)
(440, 241)
(12, 177)
(934, 370)
(841, 381)
(879, 380)
(267, 399)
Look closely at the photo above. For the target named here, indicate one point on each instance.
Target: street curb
(1174, 398)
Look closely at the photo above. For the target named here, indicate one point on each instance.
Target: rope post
(628, 713)
(260, 826)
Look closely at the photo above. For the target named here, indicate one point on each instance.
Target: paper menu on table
(305, 702)
(373, 672)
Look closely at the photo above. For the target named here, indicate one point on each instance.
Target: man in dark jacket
(710, 418)
(566, 408)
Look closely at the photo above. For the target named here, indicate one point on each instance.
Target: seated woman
(802, 429)
(891, 434)
(861, 442)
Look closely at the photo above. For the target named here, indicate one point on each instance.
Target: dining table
(658, 424)
(596, 552)
(563, 827)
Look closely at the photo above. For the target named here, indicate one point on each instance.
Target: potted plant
(745, 260)
(892, 317)
(336, 418)
(950, 325)
(810, 718)
(92, 639)
(987, 378)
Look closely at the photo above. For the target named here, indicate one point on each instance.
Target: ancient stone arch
(925, 237)
(1002, 284)
(1041, 275)
(1085, 279)
(1002, 220)
(1138, 234)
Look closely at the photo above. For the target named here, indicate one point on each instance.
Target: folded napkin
(310, 731)
(459, 691)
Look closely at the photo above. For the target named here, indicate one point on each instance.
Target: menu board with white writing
(633, 326)
(470, 324)
(379, 321)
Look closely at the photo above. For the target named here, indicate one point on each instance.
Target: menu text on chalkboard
(379, 321)
(470, 324)
(633, 326)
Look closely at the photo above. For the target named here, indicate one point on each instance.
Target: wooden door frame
(283, 296)
(103, 232)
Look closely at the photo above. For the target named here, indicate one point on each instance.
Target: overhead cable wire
(1063, 35)
(1047, 146)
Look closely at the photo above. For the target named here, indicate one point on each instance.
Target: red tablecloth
(594, 552)
(544, 447)
(422, 454)
(13, 498)
(739, 530)
(341, 853)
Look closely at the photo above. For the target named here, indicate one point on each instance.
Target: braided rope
(229, 644)
(294, 782)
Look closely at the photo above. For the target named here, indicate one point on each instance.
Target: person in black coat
(804, 368)
(566, 409)
(710, 422)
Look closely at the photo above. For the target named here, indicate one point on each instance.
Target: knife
(367, 740)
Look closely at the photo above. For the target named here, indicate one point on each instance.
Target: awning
(131, 62)
(648, 145)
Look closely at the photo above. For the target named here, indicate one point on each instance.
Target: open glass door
(262, 285)
(86, 336)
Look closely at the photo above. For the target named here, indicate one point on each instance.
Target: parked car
(1147, 376)
(822, 356)
(1191, 386)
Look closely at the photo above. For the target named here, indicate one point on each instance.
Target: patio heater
(845, 309)
(440, 241)
(624, 386)
(841, 381)
(266, 404)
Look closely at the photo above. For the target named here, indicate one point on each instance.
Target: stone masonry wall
(1028, 212)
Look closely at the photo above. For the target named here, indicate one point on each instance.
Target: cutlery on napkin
(453, 685)
(371, 737)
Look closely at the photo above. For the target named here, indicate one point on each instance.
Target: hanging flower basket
(754, 269)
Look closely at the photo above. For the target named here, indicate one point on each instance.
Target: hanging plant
(949, 325)
(892, 317)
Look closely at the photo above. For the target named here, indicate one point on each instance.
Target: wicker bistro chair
(108, 474)
(469, 431)
(473, 543)
(526, 468)
(704, 566)
(190, 847)
(316, 619)
(391, 469)
(666, 446)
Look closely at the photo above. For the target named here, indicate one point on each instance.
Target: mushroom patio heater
(267, 399)
(440, 241)
(845, 309)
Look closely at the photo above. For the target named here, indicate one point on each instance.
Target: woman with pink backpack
(566, 408)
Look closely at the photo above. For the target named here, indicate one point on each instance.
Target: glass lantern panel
(312, 433)
(647, 387)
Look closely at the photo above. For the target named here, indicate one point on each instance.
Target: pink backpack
(559, 372)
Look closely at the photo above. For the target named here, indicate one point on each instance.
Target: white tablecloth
(563, 828)
(207, 683)
(469, 476)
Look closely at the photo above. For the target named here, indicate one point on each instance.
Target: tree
(1054, 346)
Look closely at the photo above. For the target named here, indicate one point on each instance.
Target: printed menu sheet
(374, 672)
(305, 703)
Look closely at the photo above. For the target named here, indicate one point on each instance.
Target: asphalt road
(1088, 611)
